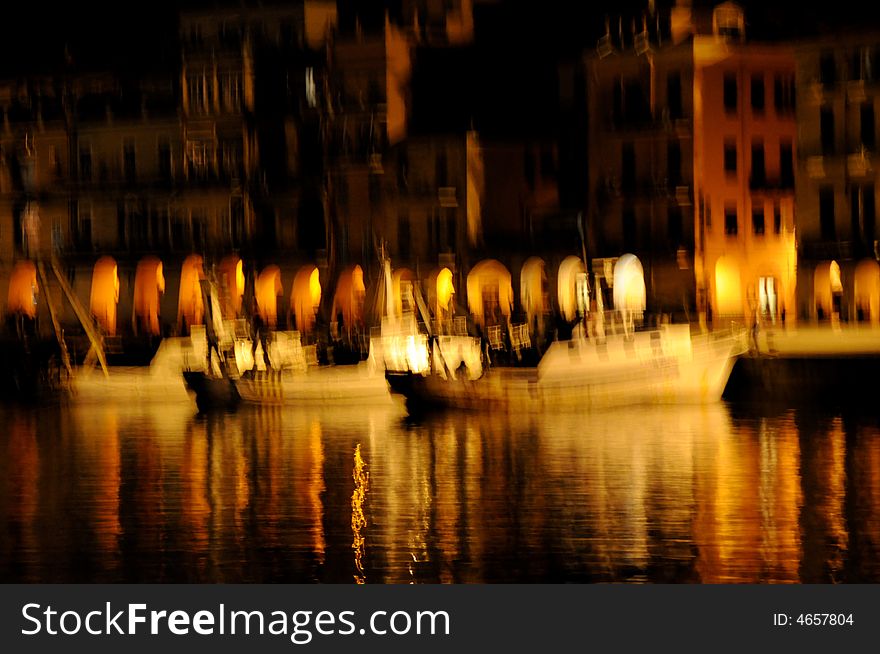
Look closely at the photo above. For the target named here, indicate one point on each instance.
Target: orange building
(692, 146)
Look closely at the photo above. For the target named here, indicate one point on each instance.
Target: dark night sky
(140, 32)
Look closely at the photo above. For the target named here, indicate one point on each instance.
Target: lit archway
(105, 294)
(267, 289)
(230, 273)
(572, 288)
(441, 291)
(149, 285)
(23, 289)
(728, 288)
(190, 306)
(305, 298)
(349, 298)
(827, 290)
(402, 282)
(867, 291)
(629, 289)
(533, 288)
(489, 291)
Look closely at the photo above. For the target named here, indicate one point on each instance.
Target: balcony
(819, 250)
(859, 164)
(771, 185)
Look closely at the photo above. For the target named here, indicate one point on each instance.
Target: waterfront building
(692, 146)
(837, 178)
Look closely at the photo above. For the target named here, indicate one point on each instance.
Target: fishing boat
(665, 365)
(160, 381)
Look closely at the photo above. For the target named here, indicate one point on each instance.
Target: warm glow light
(629, 284)
(728, 289)
(190, 306)
(531, 287)
(305, 298)
(569, 270)
(149, 285)
(105, 294)
(358, 519)
(231, 281)
(402, 282)
(445, 289)
(23, 289)
(867, 290)
(489, 289)
(268, 288)
(350, 294)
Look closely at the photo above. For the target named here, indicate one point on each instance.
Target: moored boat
(667, 365)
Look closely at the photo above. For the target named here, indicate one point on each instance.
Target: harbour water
(702, 494)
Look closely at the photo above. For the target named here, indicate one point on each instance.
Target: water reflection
(695, 494)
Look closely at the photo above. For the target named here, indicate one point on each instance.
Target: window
(862, 212)
(730, 157)
(673, 163)
(730, 220)
(730, 99)
(866, 115)
(636, 109)
(758, 220)
(673, 95)
(629, 228)
(82, 226)
(786, 164)
(164, 151)
(826, 213)
(674, 225)
(230, 90)
(195, 85)
(404, 235)
(628, 168)
(617, 100)
(200, 159)
(827, 69)
(777, 218)
(757, 94)
(55, 164)
(783, 94)
(236, 219)
(85, 164)
(862, 64)
(759, 170)
(826, 129)
(441, 169)
(548, 163)
(129, 162)
(311, 91)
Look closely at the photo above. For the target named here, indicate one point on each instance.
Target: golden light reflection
(780, 501)
(358, 519)
(826, 538)
(20, 501)
(316, 488)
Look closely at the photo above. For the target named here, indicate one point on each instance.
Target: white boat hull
(664, 369)
(354, 384)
